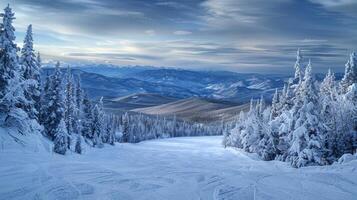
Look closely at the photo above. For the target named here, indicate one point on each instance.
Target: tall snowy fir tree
(97, 126)
(350, 76)
(78, 106)
(45, 99)
(31, 73)
(299, 71)
(13, 101)
(275, 105)
(306, 138)
(60, 138)
(54, 108)
(328, 97)
(69, 114)
(87, 118)
(78, 145)
(125, 132)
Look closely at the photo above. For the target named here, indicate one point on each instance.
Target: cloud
(329, 3)
(182, 32)
(150, 32)
(240, 35)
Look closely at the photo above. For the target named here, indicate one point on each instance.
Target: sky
(238, 35)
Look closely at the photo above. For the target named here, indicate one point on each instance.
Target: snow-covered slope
(136, 100)
(12, 141)
(194, 109)
(176, 169)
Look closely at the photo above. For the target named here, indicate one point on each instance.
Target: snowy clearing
(176, 168)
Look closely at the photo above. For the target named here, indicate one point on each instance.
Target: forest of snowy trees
(61, 111)
(308, 123)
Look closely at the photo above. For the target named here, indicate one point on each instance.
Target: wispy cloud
(238, 35)
(182, 32)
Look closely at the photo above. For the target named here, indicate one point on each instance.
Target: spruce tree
(350, 75)
(328, 98)
(54, 108)
(31, 73)
(69, 104)
(12, 95)
(87, 118)
(60, 138)
(307, 135)
(78, 106)
(97, 126)
(125, 131)
(299, 71)
(78, 146)
(275, 105)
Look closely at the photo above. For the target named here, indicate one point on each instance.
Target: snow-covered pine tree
(125, 131)
(79, 107)
(111, 130)
(235, 139)
(98, 125)
(38, 78)
(31, 73)
(328, 97)
(266, 145)
(60, 138)
(348, 119)
(78, 147)
(45, 99)
(251, 133)
(350, 75)
(12, 95)
(299, 71)
(70, 104)
(54, 109)
(307, 135)
(87, 118)
(274, 111)
(352, 97)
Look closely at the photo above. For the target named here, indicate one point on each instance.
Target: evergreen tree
(78, 106)
(87, 118)
(111, 130)
(78, 147)
(350, 75)
(54, 109)
(12, 94)
(125, 132)
(299, 72)
(30, 70)
(97, 125)
(60, 139)
(69, 116)
(251, 133)
(328, 98)
(306, 137)
(45, 99)
(275, 105)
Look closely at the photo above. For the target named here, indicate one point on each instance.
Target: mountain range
(167, 91)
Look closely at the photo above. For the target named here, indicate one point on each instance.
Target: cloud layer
(238, 35)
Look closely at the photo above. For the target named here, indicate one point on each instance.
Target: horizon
(207, 35)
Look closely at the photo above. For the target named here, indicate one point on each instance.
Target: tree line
(308, 123)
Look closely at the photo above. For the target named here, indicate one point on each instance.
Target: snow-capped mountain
(111, 81)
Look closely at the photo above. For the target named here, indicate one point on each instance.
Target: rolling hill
(195, 109)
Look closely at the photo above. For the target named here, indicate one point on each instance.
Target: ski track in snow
(176, 168)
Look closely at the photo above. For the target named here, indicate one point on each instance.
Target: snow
(176, 168)
(345, 158)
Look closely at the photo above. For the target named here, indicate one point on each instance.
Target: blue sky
(238, 35)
